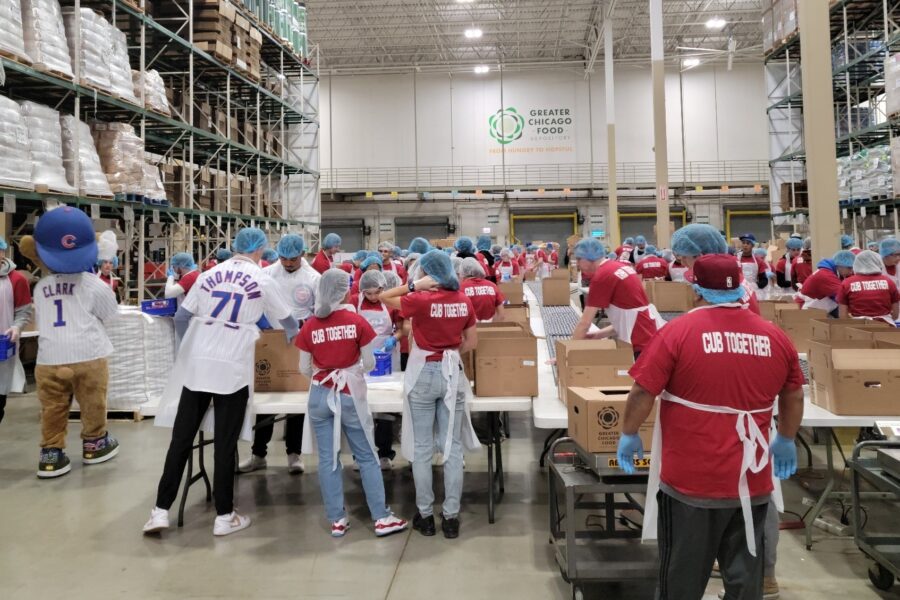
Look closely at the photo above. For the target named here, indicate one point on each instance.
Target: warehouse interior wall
(408, 120)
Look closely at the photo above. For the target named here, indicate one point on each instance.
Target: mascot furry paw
(71, 304)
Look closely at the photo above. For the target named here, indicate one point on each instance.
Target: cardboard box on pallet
(513, 291)
(589, 363)
(855, 378)
(797, 324)
(823, 328)
(555, 292)
(670, 296)
(505, 361)
(596, 416)
(277, 364)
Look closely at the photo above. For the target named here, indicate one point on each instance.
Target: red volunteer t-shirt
(617, 284)
(522, 260)
(367, 305)
(439, 318)
(346, 267)
(868, 295)
(506, 265)
(21, 292)
(781, 265)
(187, 280)
(720, 357)
(485, 296)
(652, 267)
(824, 283)
(334, 341)
(801, 269)
(321, 263)
(392, 266)
(623, 253)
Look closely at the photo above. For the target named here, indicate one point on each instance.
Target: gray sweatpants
(691, 539)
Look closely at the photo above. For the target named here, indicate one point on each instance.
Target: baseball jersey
(335, 341)
(652, 267)
(617, 284)
(321, 262)
(824, 283)
(298, 288)
(696, 357)
(70, 311)
(868, 295)
(485, 297)
(801, 269)
(439, 318)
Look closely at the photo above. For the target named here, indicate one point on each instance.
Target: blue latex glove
(390, 344)
(770, 274)
(170, 272)
(629, 445)
(784, 456)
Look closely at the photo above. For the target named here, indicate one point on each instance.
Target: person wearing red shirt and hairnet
(821, 289)
(869, 293)
(652, 266)
(713, 456)
(889, 249)
(324, 260)
(484, 294)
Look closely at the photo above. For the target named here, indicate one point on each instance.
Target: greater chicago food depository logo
(506, 125)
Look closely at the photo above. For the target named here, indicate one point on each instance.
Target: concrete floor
(79, 536)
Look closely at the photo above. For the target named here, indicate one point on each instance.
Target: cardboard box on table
(855, 377)
(836, 329)
(505, 360)
(767, 308)
(277, 364)
(670, 296)
(596, 416)
(870, 333)
(797, 324)
(529, 275)
(513, 291)
(590, 363)
(559, 274)
(555, 292)
(517, 313)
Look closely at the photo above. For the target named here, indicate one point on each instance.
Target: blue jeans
(331, 480)
(426, 403)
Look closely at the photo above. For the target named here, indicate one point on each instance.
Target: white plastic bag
(45, 138)
(45, 36)
(91, 180)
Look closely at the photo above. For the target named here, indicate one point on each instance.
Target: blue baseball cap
(66, 241)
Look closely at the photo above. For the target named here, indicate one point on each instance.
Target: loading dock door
(526, 228)
(635, 224)
(757, 222)
(351, 232)
(430, 228)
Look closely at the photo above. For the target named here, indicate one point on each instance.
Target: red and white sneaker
(389, 524)
(339, 528)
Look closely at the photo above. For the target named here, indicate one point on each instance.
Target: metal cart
(610, 551)
(882, 471)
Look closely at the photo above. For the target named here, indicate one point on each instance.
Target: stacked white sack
(121, 155)
(12, 38)
(153, 185)
(45, 36)
(45, 140)
(15, 168)
(92, 53)
(92, 181)
(120, 66)
(154, 90)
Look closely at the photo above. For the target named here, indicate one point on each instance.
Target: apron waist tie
(338, 378)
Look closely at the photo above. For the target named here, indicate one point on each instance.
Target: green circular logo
(506, 125)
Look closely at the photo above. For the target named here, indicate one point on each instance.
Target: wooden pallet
(54, 72)
(20, 188)
(134, 416)
(133, 4)
(40, 188)
(15, 58)
(100, 197)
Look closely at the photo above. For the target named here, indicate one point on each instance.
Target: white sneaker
(231, 523)
(339, 528)
(159, 520)
(389, 524)
(386, 464)
(295, 464)
(253, 463)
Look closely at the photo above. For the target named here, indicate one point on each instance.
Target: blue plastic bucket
(382, 364)
(8, 349)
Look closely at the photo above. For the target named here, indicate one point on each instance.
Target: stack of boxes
(779, 23)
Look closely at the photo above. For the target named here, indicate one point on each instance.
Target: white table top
(548, 411)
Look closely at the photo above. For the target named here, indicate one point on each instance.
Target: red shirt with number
(439, 318)
(652, 267)
(321, 262)
(694, 358)
(485, 297)
(868, 295)
(616, 284)
(335, 341)
(824, 283)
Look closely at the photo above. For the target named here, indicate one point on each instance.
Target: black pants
(691, 538)
(404, 358)
(2, 406)
(384, 438)
(293, 434)
(229, 418)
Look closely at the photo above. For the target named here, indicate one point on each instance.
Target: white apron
(826, 304)
(353, 378)
(889, 319)
(677, 273)
(12, 374)
(451, 369)
(751, 272)
(505, 272)
(195, 345)
(380, 320)
(623, 319)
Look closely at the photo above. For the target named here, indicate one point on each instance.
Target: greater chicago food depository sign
(537, 130)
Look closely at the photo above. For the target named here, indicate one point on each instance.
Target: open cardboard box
(517, 313)
(277, 364)
(560, 273)
(768, 308)
(871, 333)
(854, 378)
(555, 292)
(589, 363)
(835, 329)
(797, 324)
(505, 360)
(596, 416)
(670, 296)
(512, 291)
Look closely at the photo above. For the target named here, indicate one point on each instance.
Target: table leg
(816, 510)
(202, 467)
(808, 451)
(190, 479)
(499, 450)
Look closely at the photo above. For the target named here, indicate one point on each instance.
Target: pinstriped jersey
(70, 310)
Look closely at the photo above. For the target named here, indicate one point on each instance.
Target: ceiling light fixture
(716, 23)
(689, 63)
(481, 69)
(473, 34)
(464, 1)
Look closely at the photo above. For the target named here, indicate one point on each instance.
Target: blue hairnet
(182, 260)
(371, 260)
(360, 255)
(846, 242)
(465, 245)
(827, 263)
(100, 261)
(720, 296)
(404, 253)
(437, 265)
(291, 246)
(628, 241)
(611, 256)
(640, 240)
(589, 249)
(698, 239)
(447, 251)
(332, 240)
(844, 258)
(249, 240)
(760, 252)
(650, 249)
(396, 250)
(889, 246)
(3, 244)
(419, 245)
(794, 244)
(483, 242)
(223, 254)
(270, 255)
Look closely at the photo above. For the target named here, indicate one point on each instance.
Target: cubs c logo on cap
(68, 241)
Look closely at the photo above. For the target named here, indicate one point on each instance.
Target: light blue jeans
(331, 480)
(426, 403)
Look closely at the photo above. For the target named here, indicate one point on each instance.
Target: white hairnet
(470, 268)
(333, 287)
(457, 264)
(391, 280)
(386, 246)
(372, 280)
(868, 263)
